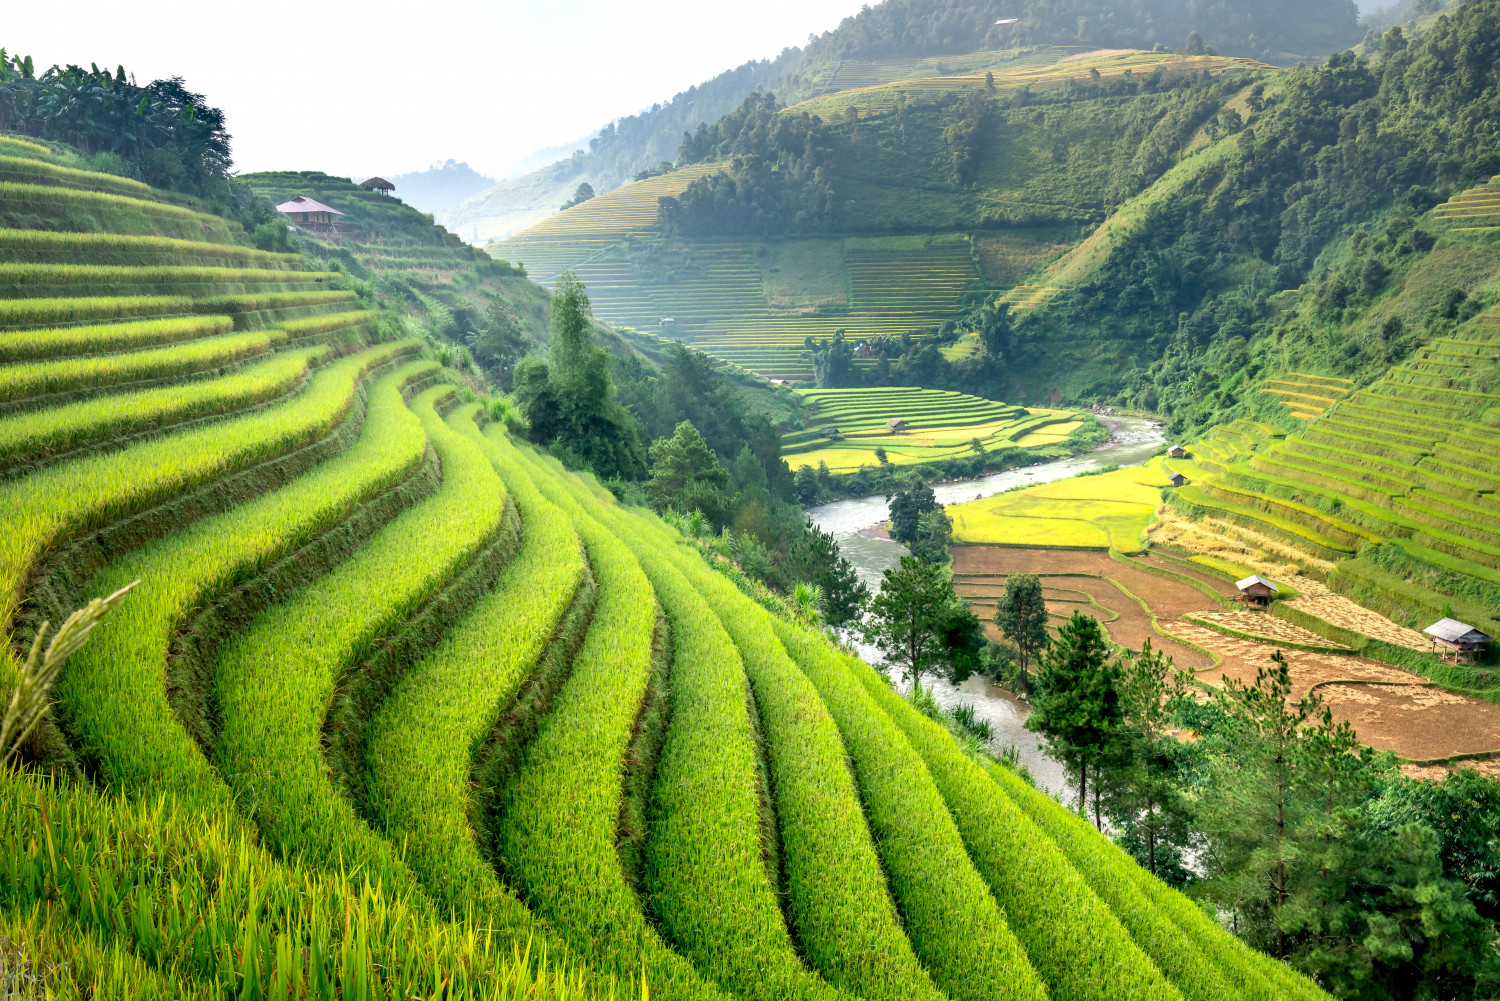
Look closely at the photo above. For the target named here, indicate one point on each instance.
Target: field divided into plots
(1389, 490)
(844, 427)
(401, 708)
(729, 299)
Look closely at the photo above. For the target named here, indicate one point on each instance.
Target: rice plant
(33, 686)
(276, 679)
(560, 813)
(28, 345)
(953, 922)
(40, 378)
(1075, 942)
(846, 923)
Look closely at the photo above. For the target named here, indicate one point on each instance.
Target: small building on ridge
(1178, 479)
(379, 184)
(1257, 590)
(1177, 452)
(896, 424)
(308, 212)
(1458, 638)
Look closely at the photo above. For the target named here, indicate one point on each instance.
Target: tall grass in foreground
(198, 905)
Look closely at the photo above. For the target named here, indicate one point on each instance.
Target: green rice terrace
(398, 708)
(1389, 489)
(754, 305)
(850, 428)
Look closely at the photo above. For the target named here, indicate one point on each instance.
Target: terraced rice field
(1056, 69)
(400, 708)
(1474, 210)
(717, 301)
(939, 424)
(1104, 511)
(1406, 463)
(1306, 396)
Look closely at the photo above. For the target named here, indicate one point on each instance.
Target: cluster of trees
(777, 177)
(1360, 145)
(160, 133)
(1313, 848)
(708, 455)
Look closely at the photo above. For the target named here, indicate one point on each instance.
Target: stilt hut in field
(1177, 479)
(308, 212)
(1177, 452)
(379, 184)
(1463, 641)
(896, 425)
(1257, 590)
(829, 432)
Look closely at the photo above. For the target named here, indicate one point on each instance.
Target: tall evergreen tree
(1021, 615)
(1077, 704)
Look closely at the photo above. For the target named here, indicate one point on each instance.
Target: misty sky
(379, 87)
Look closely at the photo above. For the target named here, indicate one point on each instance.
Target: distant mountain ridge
(909, 38)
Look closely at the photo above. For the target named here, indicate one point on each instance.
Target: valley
(996, 502)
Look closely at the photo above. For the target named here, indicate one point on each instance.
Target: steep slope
(401, 708)
(413, 262)
(948, 189)
(903, 40)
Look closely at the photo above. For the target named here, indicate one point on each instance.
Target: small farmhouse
(666, 321)
(896, 424)
(1257, 590)
(829, 432)
(1178, 479)
(308, 212)
(379, 184)
(1177, 452)
(1462, 640)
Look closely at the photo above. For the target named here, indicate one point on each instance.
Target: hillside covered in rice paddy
(395, 705)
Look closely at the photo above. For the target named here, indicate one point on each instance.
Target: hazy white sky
(381, 87)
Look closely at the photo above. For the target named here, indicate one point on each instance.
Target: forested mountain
(1325, 184)
(619, 151)
(885, 43)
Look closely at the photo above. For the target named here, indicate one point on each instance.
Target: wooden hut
(1462, 640)
(1178, 479)
(896, 425)
(1257, 590)
(308, 212)
(1177, 452)
(379, 184)
(829, 432)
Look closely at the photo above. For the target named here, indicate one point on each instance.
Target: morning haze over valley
(959, 500)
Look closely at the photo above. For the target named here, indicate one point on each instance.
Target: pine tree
(1077, 705)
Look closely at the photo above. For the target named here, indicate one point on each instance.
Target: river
(1132, 441)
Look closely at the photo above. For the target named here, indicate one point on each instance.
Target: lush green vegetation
(401, 707)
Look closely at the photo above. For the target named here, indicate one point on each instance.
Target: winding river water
(852, 522)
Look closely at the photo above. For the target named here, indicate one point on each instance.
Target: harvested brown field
(982, 569)
(1421, 722)
(1266, 626)
(1337, 610)
(1390, 709)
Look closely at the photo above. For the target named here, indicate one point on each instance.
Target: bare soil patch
(1396, 713)
(1416, 721)
(1266, 626)
(1129, 625)
(1337, 610)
